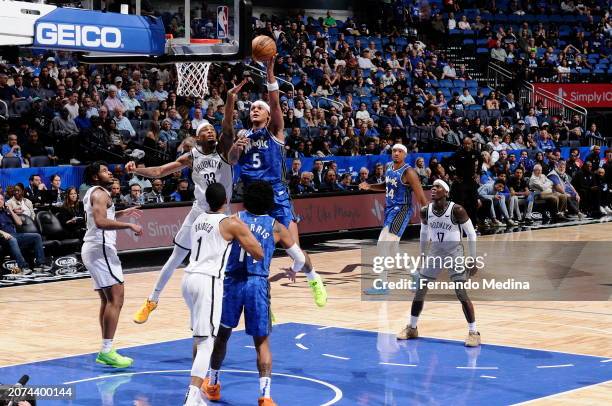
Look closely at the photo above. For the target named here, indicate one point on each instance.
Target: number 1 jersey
(240, 265)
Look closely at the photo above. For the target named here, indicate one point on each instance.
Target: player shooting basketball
(442, 226)
(263, 158)
(211, 162)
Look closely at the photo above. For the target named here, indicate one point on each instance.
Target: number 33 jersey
(208, 169)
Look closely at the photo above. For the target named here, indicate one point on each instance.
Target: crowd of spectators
(349, 88)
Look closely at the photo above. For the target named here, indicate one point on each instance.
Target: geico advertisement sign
(73, 35)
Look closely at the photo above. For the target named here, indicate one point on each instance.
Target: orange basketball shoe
(212, 392)
(266, 402)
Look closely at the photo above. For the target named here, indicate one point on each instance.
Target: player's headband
(202, 126)
(401, 147)
(442, 184)
(262, 104)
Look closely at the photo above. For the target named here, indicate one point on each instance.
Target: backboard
(195, 32)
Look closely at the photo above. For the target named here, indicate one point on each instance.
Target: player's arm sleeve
(424, 235)
(465, 223)
(299, 259)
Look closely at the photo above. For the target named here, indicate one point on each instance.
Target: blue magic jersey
(239, 263)
(397, 193)
(263, 159)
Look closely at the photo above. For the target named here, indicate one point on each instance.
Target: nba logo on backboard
(222, 22)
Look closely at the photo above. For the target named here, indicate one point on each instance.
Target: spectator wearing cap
(52, 67)
(112, 101)
(121, 93)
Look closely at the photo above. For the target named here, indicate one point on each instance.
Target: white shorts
(204, 297)
(103, 264)
(455, 274)
(183, 237)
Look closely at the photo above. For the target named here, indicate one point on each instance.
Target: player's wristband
(272, 87)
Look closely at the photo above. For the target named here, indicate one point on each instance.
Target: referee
(464, 190)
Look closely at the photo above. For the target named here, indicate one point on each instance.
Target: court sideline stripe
(554, 395)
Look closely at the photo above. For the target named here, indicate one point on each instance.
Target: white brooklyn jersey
(94, 234)
(442, 229)
(209, 250)
(208, 169)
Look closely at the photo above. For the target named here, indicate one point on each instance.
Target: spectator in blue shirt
(167, 134)
(82, 121)
(544, 141)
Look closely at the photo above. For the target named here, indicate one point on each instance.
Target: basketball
(263, 47)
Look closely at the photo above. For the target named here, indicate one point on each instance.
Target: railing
(263, 74)
(498, 76)
(331, 101)
(4, 110)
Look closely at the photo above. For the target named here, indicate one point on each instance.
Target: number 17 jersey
(207, 169)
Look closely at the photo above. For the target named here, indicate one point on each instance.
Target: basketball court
(344, 354)
(538, 352)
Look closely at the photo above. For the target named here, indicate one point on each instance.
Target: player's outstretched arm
(183, 161)
(232, 228)
(411, 178)
(301, 262)
(378, 187)
(226, 139)
(99, 202)
(277, 124)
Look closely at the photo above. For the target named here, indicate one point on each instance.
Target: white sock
(107, 345)
(264, 386)
(214, 376)
(472, 327)
(311, 276)
(413, 321)
(175, 260)
(194, 396)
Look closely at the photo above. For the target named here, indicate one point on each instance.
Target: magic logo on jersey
(259, 144)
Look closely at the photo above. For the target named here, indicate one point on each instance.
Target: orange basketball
(263, 48)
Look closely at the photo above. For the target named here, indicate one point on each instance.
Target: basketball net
(192, 78)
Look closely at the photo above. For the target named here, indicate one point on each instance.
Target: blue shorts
(252, 294)
(397, 218)
(283, 208)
